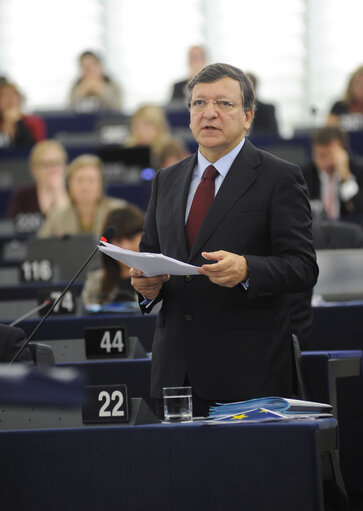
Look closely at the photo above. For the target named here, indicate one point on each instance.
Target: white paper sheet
(150, 264)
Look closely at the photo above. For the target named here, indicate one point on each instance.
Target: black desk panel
(337, 327)
(274, 466)
(137, 325)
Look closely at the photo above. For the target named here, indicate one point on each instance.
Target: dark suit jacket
(11, 340)
(264, 120)
(232, 344)
(179, 91)
(351, 210)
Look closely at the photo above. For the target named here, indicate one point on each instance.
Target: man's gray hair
(215, 72)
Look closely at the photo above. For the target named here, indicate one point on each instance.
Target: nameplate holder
(67, 306)
(36, 270)
(106, 342)
(27, 223)
(106, 404)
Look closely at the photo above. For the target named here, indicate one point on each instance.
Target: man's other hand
(229, 270)
(148, 287)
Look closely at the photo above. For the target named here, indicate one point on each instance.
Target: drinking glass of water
(178, 405)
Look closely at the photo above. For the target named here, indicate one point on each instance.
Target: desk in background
(72, 327)
(337, 327)
(340, 327)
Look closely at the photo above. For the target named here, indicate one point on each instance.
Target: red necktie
(202, 200)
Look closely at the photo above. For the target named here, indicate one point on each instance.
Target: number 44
(116, 343)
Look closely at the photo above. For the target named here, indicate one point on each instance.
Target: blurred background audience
(334, 179)
(264, 120)
(94, 89)
(171, 152)
(111, 282)
(149, 127)
(30, 203)
(16, 128)
(348, 112)
(196, 60)
(88, 205)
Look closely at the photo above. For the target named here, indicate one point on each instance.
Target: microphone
(40, 307)
(107, 235)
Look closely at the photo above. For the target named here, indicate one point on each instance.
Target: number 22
(115, 412)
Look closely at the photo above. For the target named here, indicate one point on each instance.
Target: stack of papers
(150, 264)
(255, 415)
(268, 408)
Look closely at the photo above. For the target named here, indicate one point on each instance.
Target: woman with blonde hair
(149, 127)
(348, 113)
(30, 203)
(88, 205)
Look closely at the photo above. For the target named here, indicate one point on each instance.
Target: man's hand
(148, 287)
(230, 270)
(341, 162)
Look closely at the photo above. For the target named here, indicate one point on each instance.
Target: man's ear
(249, 118)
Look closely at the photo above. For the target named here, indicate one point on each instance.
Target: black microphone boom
(107, 235)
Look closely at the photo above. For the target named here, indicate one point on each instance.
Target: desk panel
(340, 327)
(137, 325)
(337, 327)
(167, 467)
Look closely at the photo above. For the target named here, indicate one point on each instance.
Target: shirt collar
(223, 164)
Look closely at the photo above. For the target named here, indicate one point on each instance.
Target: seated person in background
(11, 340)
(334, 180)
(348, 112)
(172, 152)
(197, 59)
(88, 206)
(264, 121)
(30, 203)
(17, 129)
(149, 127)
(111, 283)
(94, 90)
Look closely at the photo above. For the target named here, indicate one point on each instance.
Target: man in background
(197, 59)
(264, 120)
(11, 340)
(334, 179)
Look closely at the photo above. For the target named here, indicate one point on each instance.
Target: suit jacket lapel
(180, 197)
(240, 177)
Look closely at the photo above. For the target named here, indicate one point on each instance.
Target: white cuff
(348, 189)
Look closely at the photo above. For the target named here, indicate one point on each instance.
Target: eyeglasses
(223, 105)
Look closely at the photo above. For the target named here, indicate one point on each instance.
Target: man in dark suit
(11, 340)
(264, 119)
(334, 179)
(197, 59)
(227, 331)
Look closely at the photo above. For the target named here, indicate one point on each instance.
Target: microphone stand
(106, 236)
(31, 312)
